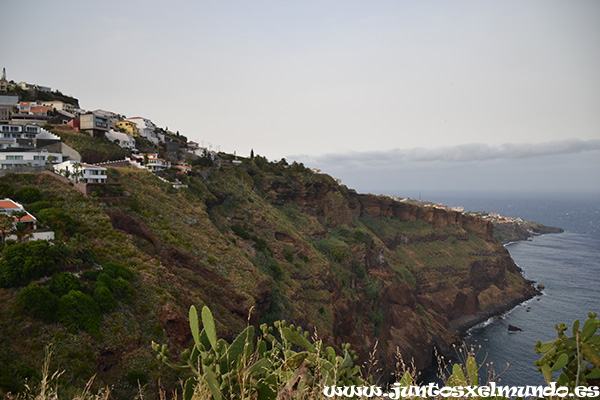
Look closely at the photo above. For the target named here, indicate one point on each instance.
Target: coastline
(463, 324)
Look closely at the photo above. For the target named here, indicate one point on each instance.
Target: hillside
(255, 242)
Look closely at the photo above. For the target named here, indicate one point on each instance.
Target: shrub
(123, 290)
(38, 206)
(372, 291)
(63, 283)
(57, 220)
(136, 378)
(240, 231)
(79, 310)
(119, 287)
(39, 302)
(28, 194)
(115, 270)
(104, 297)
(23, 262)
(6, 190)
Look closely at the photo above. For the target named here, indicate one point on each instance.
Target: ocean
(567, 264)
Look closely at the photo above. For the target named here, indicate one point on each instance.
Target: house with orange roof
(12, 208)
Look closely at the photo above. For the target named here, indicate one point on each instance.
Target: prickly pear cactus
(575, 357)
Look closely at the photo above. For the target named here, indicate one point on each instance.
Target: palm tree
(21, 231)
(6, 225)
(77, 172)
(51, 159)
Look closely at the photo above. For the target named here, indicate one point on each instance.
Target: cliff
(259, 242)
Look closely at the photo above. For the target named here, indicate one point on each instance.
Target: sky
(389, 96)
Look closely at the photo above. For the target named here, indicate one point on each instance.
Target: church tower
(3, 82)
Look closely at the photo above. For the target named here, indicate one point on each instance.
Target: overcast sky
(382, 94)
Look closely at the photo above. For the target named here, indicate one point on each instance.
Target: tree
(39, 302)
(79, 310)
(58, 220)
(6, 225)
(251, 154)
(51, 159)
(63, 283)
(28, 194)
(23, 262)
(104, 297)
(21, 231)
(77, 172)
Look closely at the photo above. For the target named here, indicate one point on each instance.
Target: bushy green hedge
(27, 195)
(63, 283)
(77, 304)
(39, 302)
(79, 310)
(58, 220)
(23, 262)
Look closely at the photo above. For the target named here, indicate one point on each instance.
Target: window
(14, 157)
(39, 158)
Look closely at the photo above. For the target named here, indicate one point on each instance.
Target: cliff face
(438, 272)
(263, 242)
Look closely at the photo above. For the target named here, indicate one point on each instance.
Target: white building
(80, 172)
(59, 105)
(150, 161)
(147, 129)
(23, 135)
(33, 158)
(10, 207)
(33, 86)
(122, 139)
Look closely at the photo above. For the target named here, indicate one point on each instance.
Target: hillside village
(31, 115)
(27, 111)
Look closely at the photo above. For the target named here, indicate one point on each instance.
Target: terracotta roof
(91, 166)
(26, 218)
(8, 204)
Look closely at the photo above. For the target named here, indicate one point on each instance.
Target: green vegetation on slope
(92, 149)
(256, 243)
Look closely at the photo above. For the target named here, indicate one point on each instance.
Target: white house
(10, 207)
(23, 136)
(122, 139)
(14, 159)
(59, 105)
(147, 129)
(154, 163)
(81, 172)
(33, 86)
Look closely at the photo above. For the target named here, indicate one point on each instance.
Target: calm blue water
(568, 264)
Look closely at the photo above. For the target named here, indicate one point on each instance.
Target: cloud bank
(453, 154)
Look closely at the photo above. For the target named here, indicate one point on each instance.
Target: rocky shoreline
(508, 232)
